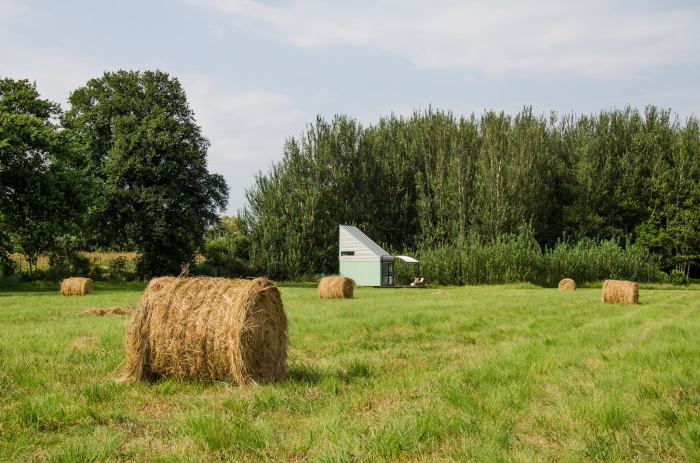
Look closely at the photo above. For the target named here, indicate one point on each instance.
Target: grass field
(458, 374)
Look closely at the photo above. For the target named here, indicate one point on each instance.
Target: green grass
(478, 374)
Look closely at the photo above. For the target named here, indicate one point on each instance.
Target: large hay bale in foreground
(620, 291)
(211, 329)
(567, 284)
(76, 286)
(336, 287)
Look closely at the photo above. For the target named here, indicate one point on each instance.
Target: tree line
(437, 181)
(124, 167)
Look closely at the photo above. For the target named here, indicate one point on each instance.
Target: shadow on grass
(353, 371)
(305, 374)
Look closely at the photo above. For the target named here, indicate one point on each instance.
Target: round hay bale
(567, 284)
(76, 286)
(336, 287)
(620, 291)
(210, 329)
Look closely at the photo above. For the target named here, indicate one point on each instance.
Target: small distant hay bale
(209, 329)
(76, 286)
(99, 312)
(336, 287)
(620, 291)
(567, 284)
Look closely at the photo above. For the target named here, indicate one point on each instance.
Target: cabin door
(387, 273)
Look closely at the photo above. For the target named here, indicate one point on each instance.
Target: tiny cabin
(363, 260)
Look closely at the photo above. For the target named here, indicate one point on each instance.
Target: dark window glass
(347, 253)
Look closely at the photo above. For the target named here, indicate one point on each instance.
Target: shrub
(518, 258)
(592, 259)
(7, 267)
(79, 265)
(120, 269)
(63, 266)
(679, 278)
(56, 271)
(508, 259)
(207, 269)
(222, 258)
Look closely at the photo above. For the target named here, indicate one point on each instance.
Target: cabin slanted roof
(365, 240)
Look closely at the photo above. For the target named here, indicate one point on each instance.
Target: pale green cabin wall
(364, 273)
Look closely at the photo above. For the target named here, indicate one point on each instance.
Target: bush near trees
(226, 250)
(432, 182)
(518, 257)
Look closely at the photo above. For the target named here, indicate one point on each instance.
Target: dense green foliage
(40, 198)
(124, 169)
(226, 250)
(146, 157)
(433, 181)
(518, 257)
(476, 374)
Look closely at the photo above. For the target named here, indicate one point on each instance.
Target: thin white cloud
(12, 8)
(247, 123)
(55, 76)
(246, 128)
(593, 37)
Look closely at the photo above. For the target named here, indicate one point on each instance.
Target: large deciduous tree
(147, 157)
(39, 195)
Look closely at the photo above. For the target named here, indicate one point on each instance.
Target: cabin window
(347, 253)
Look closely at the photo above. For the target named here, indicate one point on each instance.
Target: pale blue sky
(257, 72)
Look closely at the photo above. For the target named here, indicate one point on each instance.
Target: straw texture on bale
(567, 284)
(619, 291)
(76, 286)
(99, 312)
(336, 287)
(210, 329)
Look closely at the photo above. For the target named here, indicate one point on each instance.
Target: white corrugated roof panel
(364, 240)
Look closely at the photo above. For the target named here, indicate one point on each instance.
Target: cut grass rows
(479, 374)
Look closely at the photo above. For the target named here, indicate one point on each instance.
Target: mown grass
(463, 374)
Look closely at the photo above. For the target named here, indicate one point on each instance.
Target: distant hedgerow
(518, 257)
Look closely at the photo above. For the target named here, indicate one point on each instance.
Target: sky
(259, 71)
